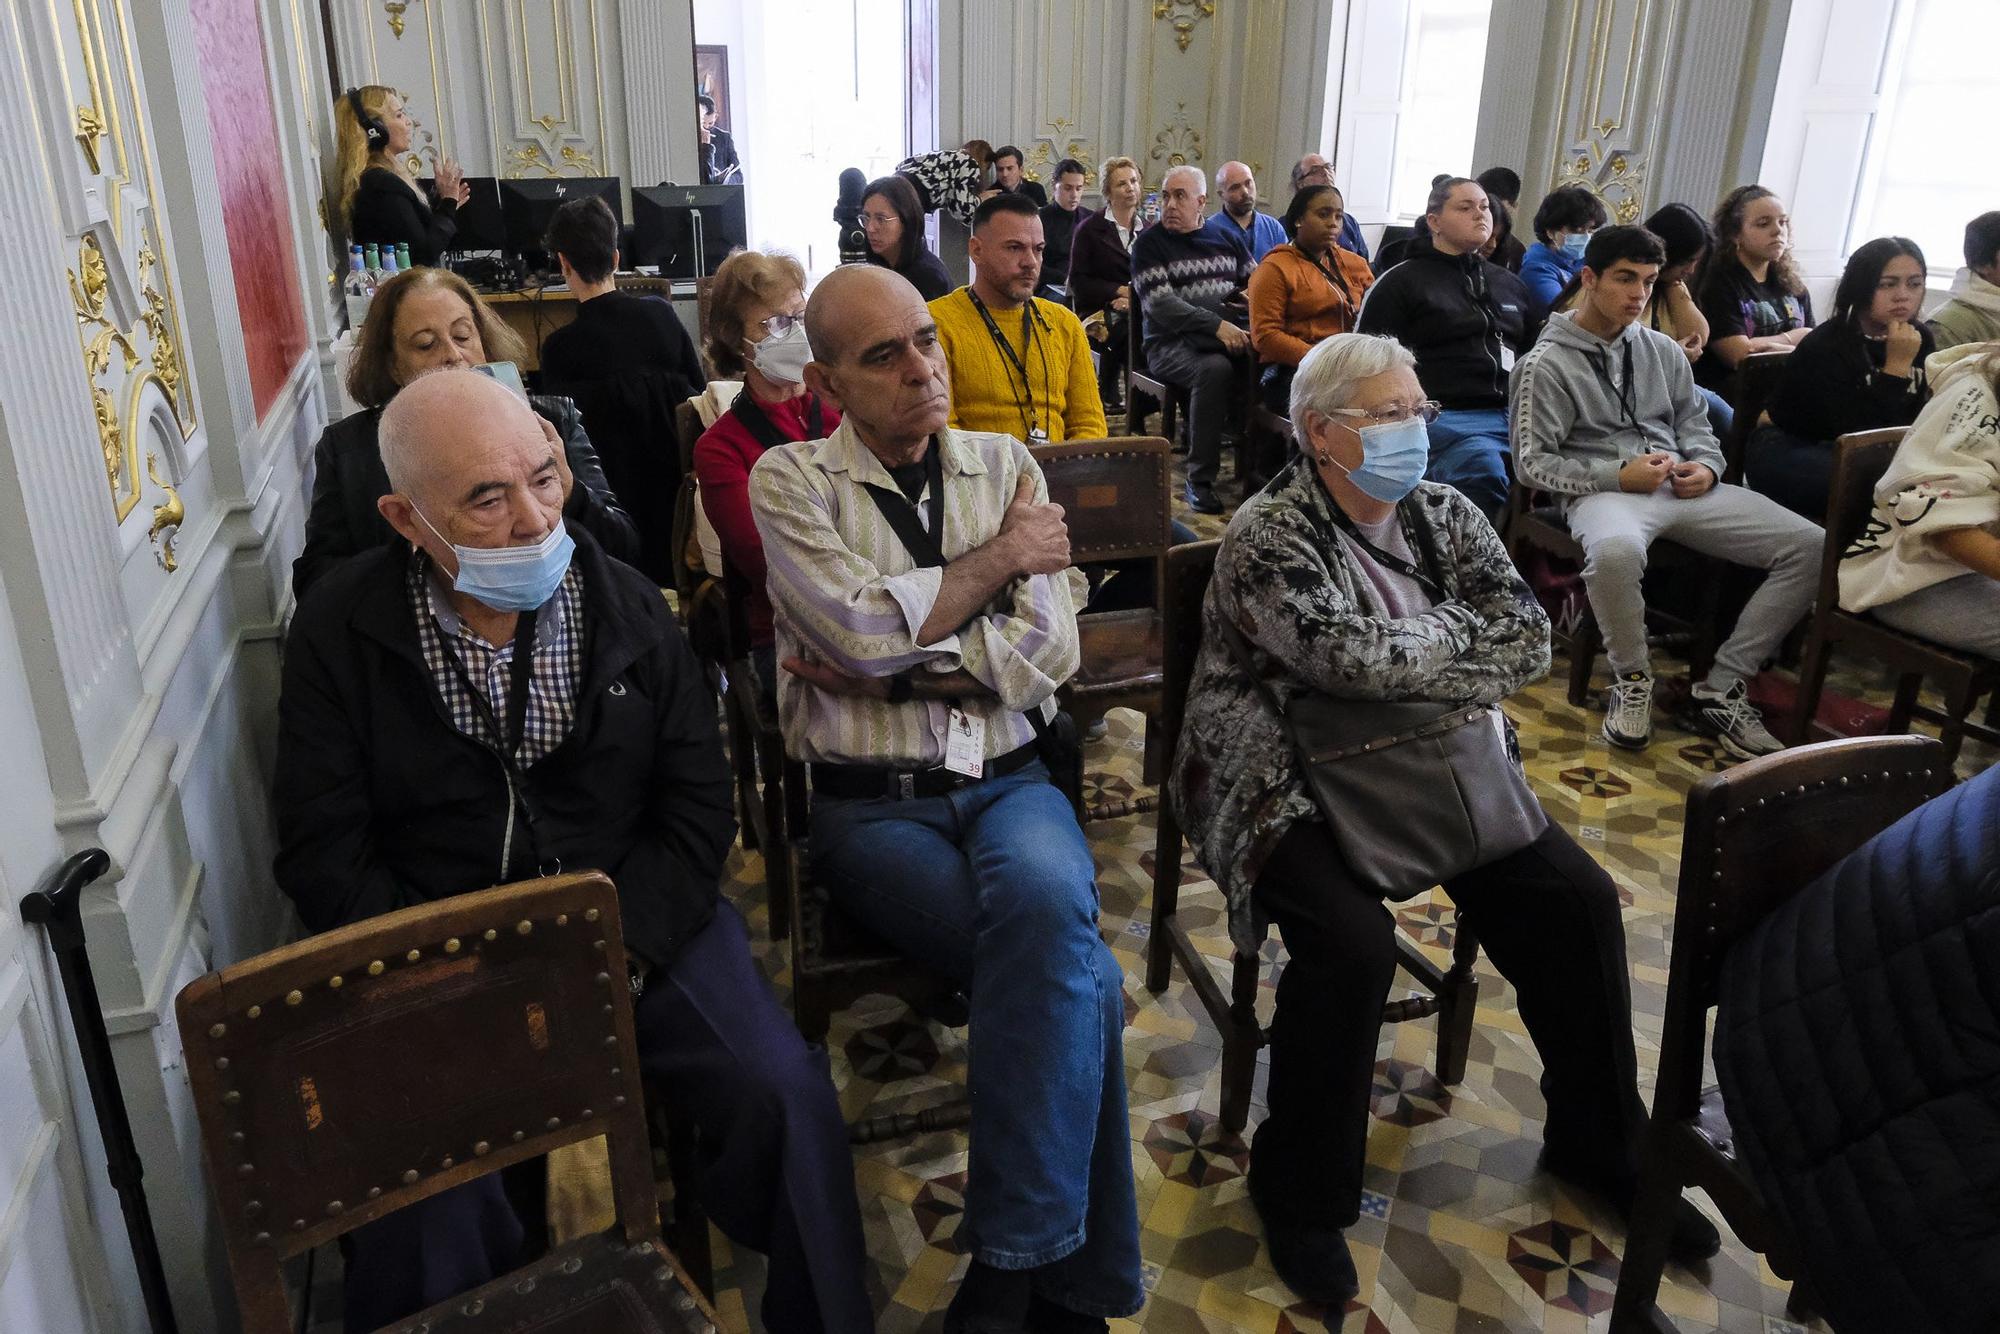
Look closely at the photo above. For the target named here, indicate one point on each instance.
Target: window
(1403, 99)
(1930, 160)
(1879, 125)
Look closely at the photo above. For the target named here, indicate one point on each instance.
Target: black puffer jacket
(1466, 319)
(382, 804)
(348, 478)
(1858, 1046)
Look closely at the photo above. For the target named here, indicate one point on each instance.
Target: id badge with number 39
(965, 744)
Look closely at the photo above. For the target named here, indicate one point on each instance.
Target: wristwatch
(900, 688)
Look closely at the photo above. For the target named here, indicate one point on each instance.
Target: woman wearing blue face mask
(1563, 225)
(1350, 577)
(756, 330)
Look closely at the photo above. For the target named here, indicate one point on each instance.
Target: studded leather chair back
(355, 1072)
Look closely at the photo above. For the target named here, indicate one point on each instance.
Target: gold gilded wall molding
(168, 516)
(89, 287)
(1058, 144)
(1177, 143)
(394, 11)
(1183, 15)
(1605, 148)
(89, 129)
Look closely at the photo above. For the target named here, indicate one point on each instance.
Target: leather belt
(870, 781)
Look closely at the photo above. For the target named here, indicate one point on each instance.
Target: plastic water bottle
(402, 256)
(357, 289)
(374, 263)
(388, 263)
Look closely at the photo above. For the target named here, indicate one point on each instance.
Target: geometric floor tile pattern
(1459, 1232)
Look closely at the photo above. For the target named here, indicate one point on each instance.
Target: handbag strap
(1239, 649)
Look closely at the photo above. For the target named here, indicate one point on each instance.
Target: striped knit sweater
(1183, 278)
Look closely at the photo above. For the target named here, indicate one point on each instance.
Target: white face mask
(781, 358)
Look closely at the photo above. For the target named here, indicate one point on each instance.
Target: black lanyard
(507, 740)
(1430, 580)
(1029, 417)
(1624, 391)
(755, 420)
(926, 547)
(1331, 272)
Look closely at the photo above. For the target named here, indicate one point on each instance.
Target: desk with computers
(680, 233)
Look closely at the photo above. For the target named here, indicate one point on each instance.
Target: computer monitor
(686, 229)
(480, 226)
(527, 207)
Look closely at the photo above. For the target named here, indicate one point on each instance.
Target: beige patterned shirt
(846, 593)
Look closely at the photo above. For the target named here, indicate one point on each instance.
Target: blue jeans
(1469, 451)
(1720, 415)
(994, 884)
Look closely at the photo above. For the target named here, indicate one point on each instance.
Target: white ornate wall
(147, 521)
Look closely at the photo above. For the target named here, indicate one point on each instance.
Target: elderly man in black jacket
(492, 698)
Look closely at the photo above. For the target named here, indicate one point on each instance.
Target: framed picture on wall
(711, 76)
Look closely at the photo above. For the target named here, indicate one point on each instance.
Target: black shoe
(1201, 499)
(1313, 1261)
(990, 1301)
(1047, 1317)
(1691, 1238)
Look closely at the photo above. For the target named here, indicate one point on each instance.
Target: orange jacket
(1293, 306)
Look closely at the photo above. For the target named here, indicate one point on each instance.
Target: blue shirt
(1547, 269)
(1350, 237)
(1263, 232)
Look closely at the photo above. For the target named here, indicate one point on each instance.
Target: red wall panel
(247, 167)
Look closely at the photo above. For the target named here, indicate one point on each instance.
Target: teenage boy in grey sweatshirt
(1606, 416)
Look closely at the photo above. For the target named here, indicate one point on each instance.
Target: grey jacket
(1576, 419)
(1315, 623)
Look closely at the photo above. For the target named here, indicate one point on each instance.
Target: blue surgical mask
(512, 578)
(1575, 243)
(1393, 458)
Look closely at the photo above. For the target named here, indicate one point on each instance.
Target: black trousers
(1547, 918)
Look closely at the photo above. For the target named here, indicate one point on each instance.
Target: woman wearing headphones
(379, 194)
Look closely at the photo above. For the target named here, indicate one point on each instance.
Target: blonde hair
(371, 375)
(352, 155)
(746, 278)
(1111, 164)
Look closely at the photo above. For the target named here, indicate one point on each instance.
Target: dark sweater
(925, 271)
(386, 211)
(619, 333)
(1184, 279)
(1465, 319)
(1834, 384)
(1099, 263)
(1059, 226)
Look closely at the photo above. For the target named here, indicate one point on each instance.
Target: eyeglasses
(877, 219)
(1427, 410)
(780, 324)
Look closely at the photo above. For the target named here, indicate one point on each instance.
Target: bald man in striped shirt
(925, 610)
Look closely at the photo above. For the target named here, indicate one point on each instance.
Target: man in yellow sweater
(1019, 365)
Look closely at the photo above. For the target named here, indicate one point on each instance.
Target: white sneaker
(1628, 715)
(1730, 717)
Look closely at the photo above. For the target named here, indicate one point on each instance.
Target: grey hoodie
(1576, 420)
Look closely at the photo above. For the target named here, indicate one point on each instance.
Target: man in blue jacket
(492, 698)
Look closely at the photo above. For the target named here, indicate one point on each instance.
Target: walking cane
(58, 910)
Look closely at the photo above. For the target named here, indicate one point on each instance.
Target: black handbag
(1414, 792)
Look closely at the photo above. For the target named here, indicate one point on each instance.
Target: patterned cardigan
(1314, 622)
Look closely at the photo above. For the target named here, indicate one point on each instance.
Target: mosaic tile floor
(1458, 1233)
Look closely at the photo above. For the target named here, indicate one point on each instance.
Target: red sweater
(723, 458)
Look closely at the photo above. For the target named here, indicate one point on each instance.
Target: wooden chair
(1750, 390)
(756, 752)
(358, 1071)
(1755, 835)
(1534, 522)
(1140, 383)
(1860, 460)
(1450, 994)
(1117, 499)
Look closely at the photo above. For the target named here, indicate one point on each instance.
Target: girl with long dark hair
(1750, 290)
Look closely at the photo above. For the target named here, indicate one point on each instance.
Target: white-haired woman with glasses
(1352, 577)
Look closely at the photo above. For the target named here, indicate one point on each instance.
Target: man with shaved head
(1239, 214)
(493, 698)
(926, 613)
